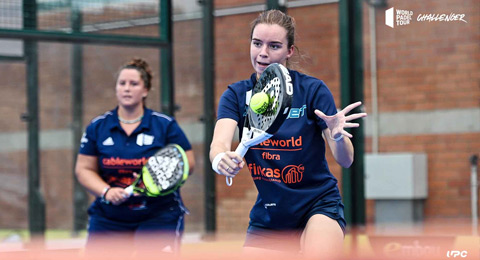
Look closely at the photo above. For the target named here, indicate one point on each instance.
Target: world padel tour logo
(398, 17)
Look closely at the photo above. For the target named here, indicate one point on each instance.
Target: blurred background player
(113, 149)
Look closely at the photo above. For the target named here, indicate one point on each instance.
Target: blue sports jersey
(119, 155)
(290, 169)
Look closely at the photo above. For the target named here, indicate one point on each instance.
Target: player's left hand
(338, 122)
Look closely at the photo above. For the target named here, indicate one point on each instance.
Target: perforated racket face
(165, 171)
(273, 81)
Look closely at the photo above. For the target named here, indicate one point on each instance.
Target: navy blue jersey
(119, 155)
(290, 170)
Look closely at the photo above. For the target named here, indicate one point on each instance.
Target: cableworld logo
(116, 161)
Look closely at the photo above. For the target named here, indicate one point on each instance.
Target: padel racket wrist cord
(215, 163)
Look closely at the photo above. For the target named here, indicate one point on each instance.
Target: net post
(36, 202)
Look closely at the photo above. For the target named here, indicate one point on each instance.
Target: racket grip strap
(215, 163)
(229, 181)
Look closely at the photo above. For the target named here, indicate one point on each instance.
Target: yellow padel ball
(259, 102)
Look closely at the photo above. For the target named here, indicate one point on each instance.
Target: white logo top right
(400, 17)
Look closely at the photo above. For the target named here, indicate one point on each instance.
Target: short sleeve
(228, 106)
(177, 136)
(88, 144)
(323, 101)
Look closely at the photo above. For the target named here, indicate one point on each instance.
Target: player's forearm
(91, 181)
(222, 137)
(216, 148)
(342, 151)
(191, 160)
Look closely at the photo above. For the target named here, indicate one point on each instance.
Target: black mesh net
(91, 16)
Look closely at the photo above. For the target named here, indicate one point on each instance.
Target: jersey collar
(145, 123)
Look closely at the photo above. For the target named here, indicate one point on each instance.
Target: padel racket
(276, 82)
(163, 173)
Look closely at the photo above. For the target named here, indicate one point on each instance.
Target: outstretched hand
(338, 122)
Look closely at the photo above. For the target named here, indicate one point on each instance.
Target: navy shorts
(289, 240)
(108, 223)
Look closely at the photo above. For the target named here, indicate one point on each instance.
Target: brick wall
(100, 63)
(219, 4)
(430, 66)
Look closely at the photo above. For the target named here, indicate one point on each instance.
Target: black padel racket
(276, 82)
(163, 173)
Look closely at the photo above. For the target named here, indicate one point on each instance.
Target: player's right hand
(116, 195)
(229, 164)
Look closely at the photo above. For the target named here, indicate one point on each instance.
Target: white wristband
(215, 162)
(337, 139)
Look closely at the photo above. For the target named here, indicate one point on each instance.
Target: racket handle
(129, 190)
(241, 150)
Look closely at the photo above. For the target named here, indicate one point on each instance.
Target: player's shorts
(289, 240)
(165, 226)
